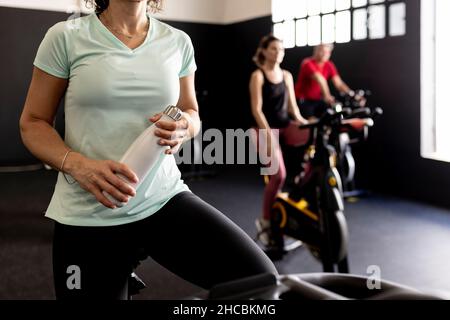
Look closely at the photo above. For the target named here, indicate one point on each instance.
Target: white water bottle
(143, 153)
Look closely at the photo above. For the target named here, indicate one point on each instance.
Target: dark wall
(21, 32)
(243, 39)
(224, 58)
(208, 44)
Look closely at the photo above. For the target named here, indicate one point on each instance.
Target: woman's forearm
(44, 142)
(261, 120)
(294, 112)
(324, 88)
(323, 85)
(193, 119)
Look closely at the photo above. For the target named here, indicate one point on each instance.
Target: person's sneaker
(291, 243)
(264, 231)
(264, 236)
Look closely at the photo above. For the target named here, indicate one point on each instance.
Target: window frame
(385, 3)
(430, 147)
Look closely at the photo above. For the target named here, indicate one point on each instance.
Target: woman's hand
(267, 142)
(172, 133)
(96, 176)
(299, 121)
(361, 100)
(329, 99)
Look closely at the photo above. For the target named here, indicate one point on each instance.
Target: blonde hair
(264, 43)
(101, 5)
(329, 45)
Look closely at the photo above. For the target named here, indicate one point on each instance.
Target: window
(328, 6)
(435, 67)
(342, 5)
(377, 22)
(343, 27)
(313, 7)
(300, 8)
(311, 22)
(359, 3)
(301, 33)
(360, 24)
(328, 28)
(397, 22)
(314, 30)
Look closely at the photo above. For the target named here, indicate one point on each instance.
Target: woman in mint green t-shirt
(117, 70)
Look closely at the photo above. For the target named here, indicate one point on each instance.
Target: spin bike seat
(357, 124)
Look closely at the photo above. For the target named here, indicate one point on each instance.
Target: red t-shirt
(306, 87)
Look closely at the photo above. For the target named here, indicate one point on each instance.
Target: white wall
(241, 10)
(206, 11)
(51, 5)
(216, 11)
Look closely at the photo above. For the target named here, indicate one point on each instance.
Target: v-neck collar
(117, 41)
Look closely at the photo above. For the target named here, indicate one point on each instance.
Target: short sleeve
(308, 68)
(188, 66)
(52, 55)
(332, 69)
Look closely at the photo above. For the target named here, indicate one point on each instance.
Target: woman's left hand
(171, 133)
(300, 121)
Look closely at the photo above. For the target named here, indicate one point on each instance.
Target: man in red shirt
(312, 87)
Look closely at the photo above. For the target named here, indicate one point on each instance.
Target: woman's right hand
(329, 99)
(96, 176)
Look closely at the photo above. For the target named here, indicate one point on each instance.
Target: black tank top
(275, 103)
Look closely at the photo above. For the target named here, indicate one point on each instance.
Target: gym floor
(407, 240)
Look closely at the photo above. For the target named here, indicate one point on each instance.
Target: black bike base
(356, 194)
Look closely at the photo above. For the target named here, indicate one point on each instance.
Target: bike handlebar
(327, 118)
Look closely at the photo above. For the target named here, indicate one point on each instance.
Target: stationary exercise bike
(353, 130)
(313, 211)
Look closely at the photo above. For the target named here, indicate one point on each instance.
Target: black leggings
(187, 236)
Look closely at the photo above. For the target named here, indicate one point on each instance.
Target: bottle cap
(173, 112)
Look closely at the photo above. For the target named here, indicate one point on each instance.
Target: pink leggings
(291, 136)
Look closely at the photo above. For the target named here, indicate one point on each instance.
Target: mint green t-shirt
(112, 91)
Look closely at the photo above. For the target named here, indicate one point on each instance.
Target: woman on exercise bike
(273, 107)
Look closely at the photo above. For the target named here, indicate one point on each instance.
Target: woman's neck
(271, 66)
(127, 16)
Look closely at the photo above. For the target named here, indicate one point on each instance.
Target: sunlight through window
(311, 22)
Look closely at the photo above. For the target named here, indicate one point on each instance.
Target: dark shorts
(312, 108)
